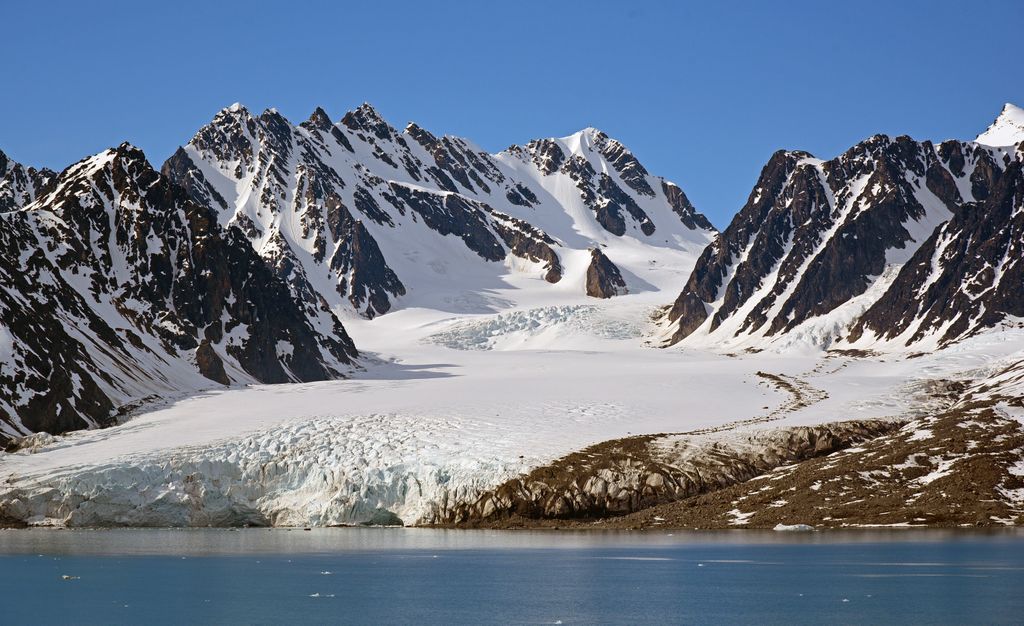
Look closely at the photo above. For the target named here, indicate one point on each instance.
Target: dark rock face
(629, 169)
(209, 364)
(365, 119)
(119, 286)
(367, 279)
(528, 242)
(752, 227)
(546, 155)
(615, 201)
(183, 172)
(683, 208)
(453, 215)
(967, 276)
(815, 235)
(603, 278)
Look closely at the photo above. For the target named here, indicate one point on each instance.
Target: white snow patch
(920, 435)
(943, 467)
(1007, 130)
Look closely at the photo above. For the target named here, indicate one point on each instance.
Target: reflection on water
(438, 576)
(217, 541)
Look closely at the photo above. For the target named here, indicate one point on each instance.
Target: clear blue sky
(702, 92)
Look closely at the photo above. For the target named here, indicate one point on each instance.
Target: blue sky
(702, 93)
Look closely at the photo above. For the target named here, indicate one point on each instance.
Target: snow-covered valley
(432, 422)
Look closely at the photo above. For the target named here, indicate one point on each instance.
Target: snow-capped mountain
(117, 287)
(368, 217)
(818, 243)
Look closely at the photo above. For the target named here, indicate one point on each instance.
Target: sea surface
(418, 576)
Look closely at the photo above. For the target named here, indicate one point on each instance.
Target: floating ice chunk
(794, 527)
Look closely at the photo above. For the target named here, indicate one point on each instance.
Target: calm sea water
(411, 576)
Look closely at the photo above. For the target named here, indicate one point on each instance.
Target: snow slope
(1006, 130)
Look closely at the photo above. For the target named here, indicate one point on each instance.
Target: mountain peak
(272, 113)
(129, 153)
(124, 157)
(586, 137)
(319, 120)
(234, 110)
(368, 109)
(1006, 130)
(231, 115)
(366, 114)
(1010, 108)
(366, 118)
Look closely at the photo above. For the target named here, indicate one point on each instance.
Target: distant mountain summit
(894, 241)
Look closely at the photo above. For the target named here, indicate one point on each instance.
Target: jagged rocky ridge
(879, 242)
(118, 287)
(362, 214)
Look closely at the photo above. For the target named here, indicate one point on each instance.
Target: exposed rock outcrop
(210, 364)
(603, 278)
